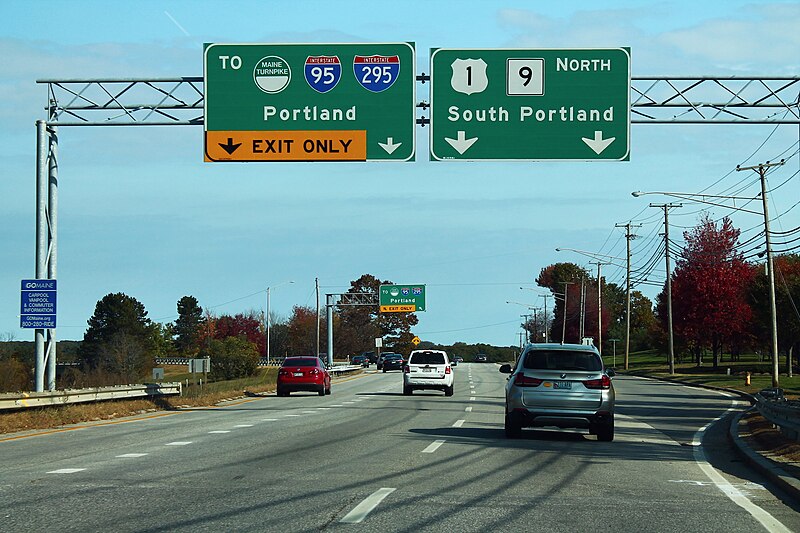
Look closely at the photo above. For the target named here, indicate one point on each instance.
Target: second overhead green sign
(530, 105)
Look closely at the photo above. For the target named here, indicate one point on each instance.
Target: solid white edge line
(433, 446)
(369, 503)
(769, 522)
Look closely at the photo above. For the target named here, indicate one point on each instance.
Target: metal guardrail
(23, 400)
(785, 415)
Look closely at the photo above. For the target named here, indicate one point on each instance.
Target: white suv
(428, 369)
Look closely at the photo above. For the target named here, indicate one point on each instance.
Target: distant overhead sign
(38, 304)
(401, 298)
(310, 102)
(529, 105)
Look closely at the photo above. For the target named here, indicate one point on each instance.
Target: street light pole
(599, 305)
(546, 329)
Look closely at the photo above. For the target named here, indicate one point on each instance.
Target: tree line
(720, 301)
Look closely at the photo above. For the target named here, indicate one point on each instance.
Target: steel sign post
(310, 102)
(401, 298)
(530, 105)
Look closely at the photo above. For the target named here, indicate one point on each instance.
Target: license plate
(562, 384)
(298, 374)
(427, 370)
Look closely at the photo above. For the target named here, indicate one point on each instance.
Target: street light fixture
(268, 319)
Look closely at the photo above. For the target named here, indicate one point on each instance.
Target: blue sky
(141, 213)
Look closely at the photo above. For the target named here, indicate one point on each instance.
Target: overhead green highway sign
(530, 105)
(401, 298)
(310, 102)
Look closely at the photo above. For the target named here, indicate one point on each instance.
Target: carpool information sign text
(38, 304)
(309, 102)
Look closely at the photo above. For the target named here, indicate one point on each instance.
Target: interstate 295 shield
(376, 73)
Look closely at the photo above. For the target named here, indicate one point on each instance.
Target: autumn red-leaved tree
(248, 325)
(709, 289)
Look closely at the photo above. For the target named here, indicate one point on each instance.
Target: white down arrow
(461, 143)
(598, 144)
(390, 146)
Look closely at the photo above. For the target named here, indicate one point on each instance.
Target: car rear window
(562, 360)
(427, 358)
(393, 356)
(300, 361)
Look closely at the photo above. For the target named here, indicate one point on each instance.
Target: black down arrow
(230, 147)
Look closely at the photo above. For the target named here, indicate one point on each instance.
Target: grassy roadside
(193, 396)
(653, 364)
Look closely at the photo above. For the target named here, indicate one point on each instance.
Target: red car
(305, 373)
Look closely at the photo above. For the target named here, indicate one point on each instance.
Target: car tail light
(283, 372)
(447, 369)
(603, 383)
(521, 380)
(406, 369)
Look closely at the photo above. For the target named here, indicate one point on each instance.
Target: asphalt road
(368, 458)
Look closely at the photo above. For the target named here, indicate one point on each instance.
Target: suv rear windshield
(393, 356)
(300, 361)
(562, 360)
(427, 358)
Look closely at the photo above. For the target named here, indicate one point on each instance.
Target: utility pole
(316, 285)
(527, 319)
(670, 338)
(762, 172)
(564, 318)
(628, 237)
(582, 329)
(546, 332)
(599, 305)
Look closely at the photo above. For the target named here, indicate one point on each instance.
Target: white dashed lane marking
(269, 419)
(468, 409)
(220, 431)
(292, 415)
(243, 425)
(458, 423)
(433, 446)
(66, 471)
(131, 455)
(361, 510)
(179, 443)
(472, 398)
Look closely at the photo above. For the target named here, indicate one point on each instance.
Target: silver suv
(562, 385)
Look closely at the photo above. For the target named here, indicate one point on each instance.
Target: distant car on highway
(360, 360)
(562, 385)
(304, 373)
(372, 357)
(393, 361)
(458, 359)
(481, 358)
(383, 356)
(428, 369)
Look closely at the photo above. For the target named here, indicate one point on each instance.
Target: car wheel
(407, 391)
(513, 427)
(605, 432)
(321, 391)
(384, 370)
(448, 391)
(328, 391)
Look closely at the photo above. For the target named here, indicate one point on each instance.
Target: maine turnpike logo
(402, 298)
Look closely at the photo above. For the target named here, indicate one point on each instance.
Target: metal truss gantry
(180, 102)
